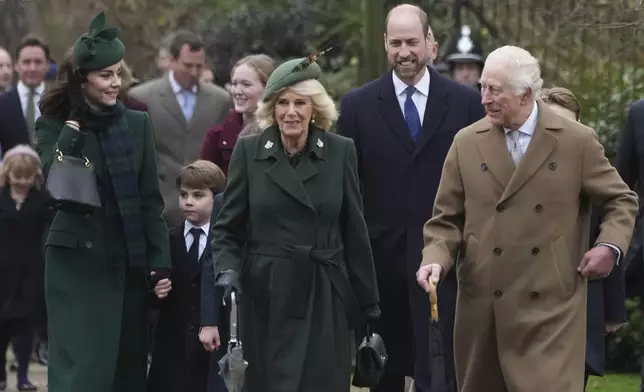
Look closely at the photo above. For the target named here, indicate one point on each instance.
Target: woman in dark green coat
(291, 235)
(99, 262)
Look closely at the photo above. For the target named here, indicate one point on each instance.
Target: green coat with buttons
(97, 307)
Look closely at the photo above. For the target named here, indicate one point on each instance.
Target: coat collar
(497, 159)
(292, 179)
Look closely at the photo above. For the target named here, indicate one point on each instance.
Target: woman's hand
(76, 96)
(209, 337)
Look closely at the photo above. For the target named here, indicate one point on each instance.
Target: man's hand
(428, 272)
(597, 262)
(163, 287)
(209, 337)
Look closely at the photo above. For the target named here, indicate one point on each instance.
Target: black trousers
(21, 332)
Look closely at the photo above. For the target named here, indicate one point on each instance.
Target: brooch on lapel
(320, 143)
(268, 145)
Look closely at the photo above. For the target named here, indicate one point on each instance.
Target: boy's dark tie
(193, 252)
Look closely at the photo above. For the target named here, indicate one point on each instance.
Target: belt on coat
(305, 259)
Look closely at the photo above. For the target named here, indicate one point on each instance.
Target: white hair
(522, 68)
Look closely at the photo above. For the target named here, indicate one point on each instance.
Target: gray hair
(523, 69)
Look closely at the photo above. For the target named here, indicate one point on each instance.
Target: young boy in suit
(179, 360)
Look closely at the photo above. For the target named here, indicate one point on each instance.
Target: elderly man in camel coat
(512, 204)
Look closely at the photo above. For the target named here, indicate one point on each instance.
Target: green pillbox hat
(100, 47)
(289, 73)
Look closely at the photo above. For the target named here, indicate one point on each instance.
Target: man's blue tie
(411, 114)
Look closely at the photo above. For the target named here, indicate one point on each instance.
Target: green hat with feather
(100, 47)
(292, 72)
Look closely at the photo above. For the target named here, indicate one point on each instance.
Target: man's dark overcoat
(399, 182)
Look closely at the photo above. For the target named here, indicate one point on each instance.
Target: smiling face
(247, 89)
(102, 86)
(31, 65)
(409, 50)
(293, 113)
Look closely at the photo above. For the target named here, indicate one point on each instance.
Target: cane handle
(433, 300)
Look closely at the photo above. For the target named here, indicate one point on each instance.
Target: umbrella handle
(233, 318)
(433, 300)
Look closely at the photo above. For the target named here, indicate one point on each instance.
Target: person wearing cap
(292, 240)
(101, 263)
(465, 58)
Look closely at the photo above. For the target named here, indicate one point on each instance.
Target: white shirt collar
(188, 225)
(176, 87)
(422, 86)
(23, 90)
(530, 124)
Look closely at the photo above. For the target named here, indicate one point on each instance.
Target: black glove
(371, 313)
(158, 275)
(229, 281)
(78, 106)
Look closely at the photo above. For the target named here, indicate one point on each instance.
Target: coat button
(497, 251)
(538, 208)
(534, 295)
(552, 166)
(498, 294)
(483, 167)
(88, 244)
(191, 327)
(535, 251)
(500, 208)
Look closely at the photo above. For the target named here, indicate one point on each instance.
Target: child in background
(25, 212)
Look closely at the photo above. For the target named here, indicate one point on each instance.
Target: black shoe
(27, 386)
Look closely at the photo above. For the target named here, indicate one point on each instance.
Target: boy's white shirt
(203, 239)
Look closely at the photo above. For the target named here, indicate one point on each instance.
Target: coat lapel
(542, 145)
(390, 109)
(495, 154)
(169, 101)
(435, 110)
(291, 180)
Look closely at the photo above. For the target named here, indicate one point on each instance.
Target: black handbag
(71, 181)
(371, 358)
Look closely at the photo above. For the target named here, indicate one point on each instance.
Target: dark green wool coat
(96, 304)
(298, 238)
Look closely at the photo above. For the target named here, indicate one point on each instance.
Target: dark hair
(422, 15)
(55, 100)
(184, 37)
(32, 40)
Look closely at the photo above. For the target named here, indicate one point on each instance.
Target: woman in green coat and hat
(100, 263)
(291, 235)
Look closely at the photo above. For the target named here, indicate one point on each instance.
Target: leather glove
(371, 313)
(158, 275)
(78, 106)
(228, 280)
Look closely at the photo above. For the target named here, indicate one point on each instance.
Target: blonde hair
(324, 110)
(202, 174)
(22, 161)
(262, 64)
(562, 97)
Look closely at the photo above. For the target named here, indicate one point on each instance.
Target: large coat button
(535, 251)
(500, 208)
(483, 167)
(498, 251)
(538, 208)
(552, 166)
(498, 294)
(534, 295)
(89, 245)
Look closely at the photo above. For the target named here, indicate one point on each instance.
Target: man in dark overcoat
(402, 138)
(630, 165)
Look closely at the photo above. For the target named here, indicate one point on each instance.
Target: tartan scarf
(117, 146)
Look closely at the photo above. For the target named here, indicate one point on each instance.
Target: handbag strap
(60, 156)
